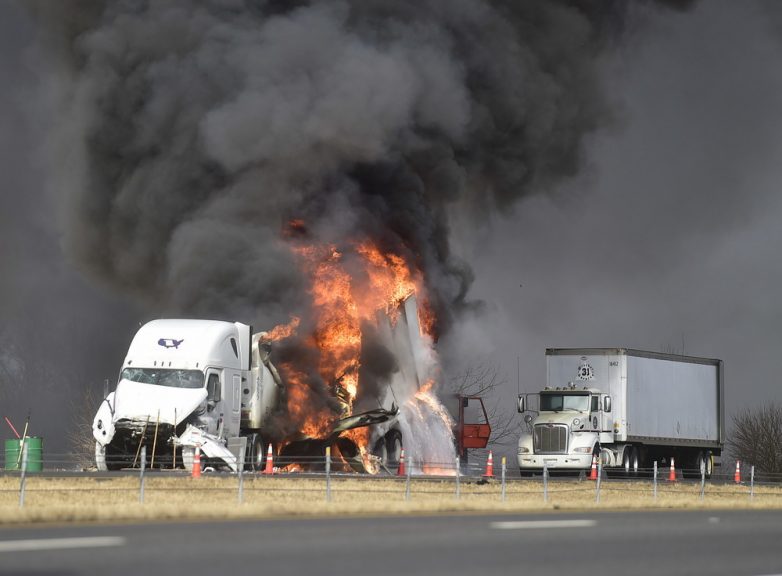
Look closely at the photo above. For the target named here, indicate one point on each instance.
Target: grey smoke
(190, 134)
(182, 137)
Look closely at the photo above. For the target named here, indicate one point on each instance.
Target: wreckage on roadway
(211, 384)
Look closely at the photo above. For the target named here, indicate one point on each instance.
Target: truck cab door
(606, 419)
(214, 402)
(234, 410)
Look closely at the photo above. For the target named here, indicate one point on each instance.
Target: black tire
(627, 460)
(705, 462)
(636, 461)
(394, 447)
(256, 460)
(709, 464)
(381, 451)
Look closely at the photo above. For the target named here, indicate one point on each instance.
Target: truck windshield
(165, 377)
(559, 402)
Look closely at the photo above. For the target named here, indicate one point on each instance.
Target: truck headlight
(583, 450)
(523, 450)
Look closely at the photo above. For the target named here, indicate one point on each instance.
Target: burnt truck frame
(211, 384)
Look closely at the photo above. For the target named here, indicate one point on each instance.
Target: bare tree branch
(757, 438)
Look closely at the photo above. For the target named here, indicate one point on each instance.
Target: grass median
(91, 499)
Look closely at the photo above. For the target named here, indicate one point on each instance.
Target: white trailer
(628, 408)
(211, 384)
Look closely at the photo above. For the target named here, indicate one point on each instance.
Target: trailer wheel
(705, 463)
(393, 449)
(635, 460)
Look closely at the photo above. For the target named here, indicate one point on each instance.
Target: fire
(348, 286)
(282, 331)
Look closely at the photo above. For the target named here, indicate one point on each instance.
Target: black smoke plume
(190, 133)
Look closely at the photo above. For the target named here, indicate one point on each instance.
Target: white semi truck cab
(572, 424)
(187, 383)
(626, 407)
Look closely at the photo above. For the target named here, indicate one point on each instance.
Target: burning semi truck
(212, 385)
(626, 408)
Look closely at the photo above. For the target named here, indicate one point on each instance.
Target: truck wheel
(100, 457)
(381, 451)
(188, 453)
(627, 456)
(256, 460)
(709, 464)
(635, 461)
(105, 460)
(393, 449)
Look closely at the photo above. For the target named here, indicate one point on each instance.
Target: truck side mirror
(607, 403)
(522, 407)
(528, 418)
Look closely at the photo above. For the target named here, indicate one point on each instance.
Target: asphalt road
(654, 543)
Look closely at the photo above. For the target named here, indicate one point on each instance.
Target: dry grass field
(87, 499)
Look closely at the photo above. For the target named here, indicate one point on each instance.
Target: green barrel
(34, 454)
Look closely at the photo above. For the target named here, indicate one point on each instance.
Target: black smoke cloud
(181, 137)
(190, 133)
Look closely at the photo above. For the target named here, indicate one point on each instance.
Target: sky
(666, 239)
(669, 239)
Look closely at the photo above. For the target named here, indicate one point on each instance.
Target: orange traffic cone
(672, 471)
(196, 473)
(593, 471)
(489, 467)
(269, 461)
(401, 470)
(737, 473)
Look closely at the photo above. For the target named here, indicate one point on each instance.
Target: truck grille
(550, 439)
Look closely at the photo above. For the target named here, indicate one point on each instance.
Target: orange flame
(348, 286)
(282, 331)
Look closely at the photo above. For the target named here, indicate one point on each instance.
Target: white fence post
(24, 475)
(545, 483)
(328, 473)
(143, 467)
(752, 483)
(409, 472)
(655, 479)
(503, 479)
(458, 474)
(597, 484)
(240, 495)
